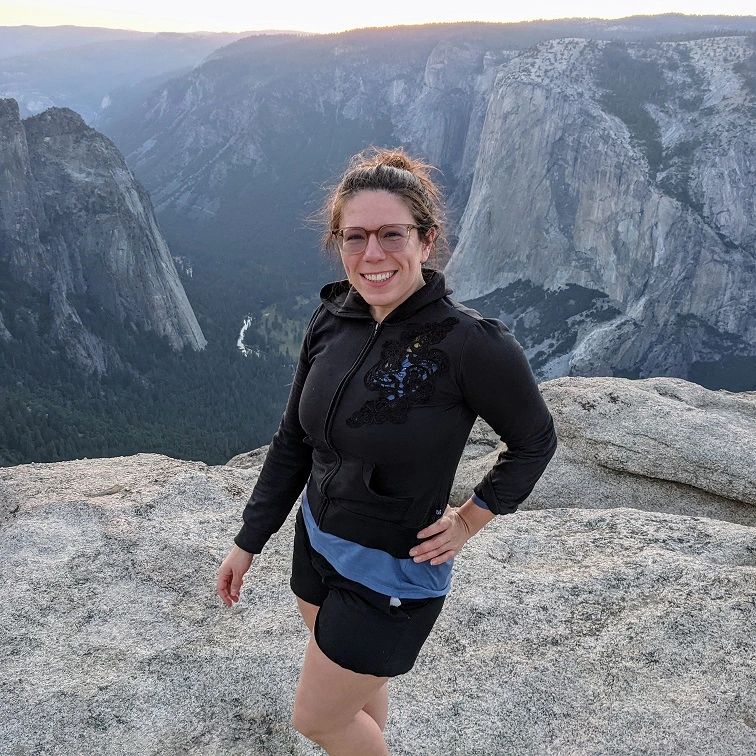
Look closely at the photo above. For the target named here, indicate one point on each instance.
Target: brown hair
(389, 170)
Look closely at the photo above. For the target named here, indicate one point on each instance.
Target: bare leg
(328, 707)
(377, 706)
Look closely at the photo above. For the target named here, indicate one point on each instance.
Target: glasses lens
(393, 238)
(353, 240)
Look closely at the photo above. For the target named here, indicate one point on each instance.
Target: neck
(381, 313)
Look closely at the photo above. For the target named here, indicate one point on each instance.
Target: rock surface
(658, 219)
(568, 630)
(661, 428)
(660, 444)
(74, 222)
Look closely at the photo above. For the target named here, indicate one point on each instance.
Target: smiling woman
(385, 266)
(385, 218)
(391, 376)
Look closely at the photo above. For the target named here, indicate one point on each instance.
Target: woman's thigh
(308, 611)
(328, 696)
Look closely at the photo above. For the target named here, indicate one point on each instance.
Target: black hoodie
(379, 414)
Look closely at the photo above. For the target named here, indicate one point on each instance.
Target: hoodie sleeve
(286, 467)
(498, 385)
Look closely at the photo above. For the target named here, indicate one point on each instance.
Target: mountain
(602, 187)
(86, 70)
(32, 40)
(78, 229)
(101, 353)
(611, 214)
(641, 130)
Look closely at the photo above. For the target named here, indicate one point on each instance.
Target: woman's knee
(308, 725)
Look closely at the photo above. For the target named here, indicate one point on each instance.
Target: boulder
(660, 444)
(568, 629)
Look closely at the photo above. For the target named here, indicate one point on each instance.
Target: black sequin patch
(405, 375)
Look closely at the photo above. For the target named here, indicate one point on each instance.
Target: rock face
(285, 109)
(76, 223)
(616, 175)
(665, 429)
(640, 189)
(660, 444)
(568, 630)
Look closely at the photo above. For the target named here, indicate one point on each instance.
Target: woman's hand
(231, 574)
(447, 535)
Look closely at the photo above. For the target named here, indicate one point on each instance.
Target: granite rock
(660, 444)
(74, 223)
(566, 193)
(568, 630)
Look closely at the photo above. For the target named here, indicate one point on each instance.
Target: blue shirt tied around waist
(379, 571)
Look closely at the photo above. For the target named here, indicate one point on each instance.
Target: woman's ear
(430, 238)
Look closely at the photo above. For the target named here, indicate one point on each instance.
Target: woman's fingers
(236, 584)
(445, 549)
(231, 575)
(221, 587)
(440, 556)
(445, 539)
(439, 526)
(229, 585)
(433, 547)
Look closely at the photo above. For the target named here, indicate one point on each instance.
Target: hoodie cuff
(482, 504)
(248, 541)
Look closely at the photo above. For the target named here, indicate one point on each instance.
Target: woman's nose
(373, 249)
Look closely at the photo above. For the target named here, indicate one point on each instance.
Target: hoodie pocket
(358, 494)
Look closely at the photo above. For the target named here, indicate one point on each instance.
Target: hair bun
(394, 159)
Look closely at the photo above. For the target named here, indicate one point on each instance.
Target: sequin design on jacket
(405, 375)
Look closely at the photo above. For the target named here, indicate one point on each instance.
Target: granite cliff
(77, 230)
(601, 191)
(627, 172)
(614, 614)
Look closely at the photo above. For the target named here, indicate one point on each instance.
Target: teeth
(376, 277)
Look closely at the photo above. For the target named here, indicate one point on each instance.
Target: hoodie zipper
(332, 412)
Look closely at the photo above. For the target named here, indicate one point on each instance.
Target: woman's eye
(392, 233)
(353, 236)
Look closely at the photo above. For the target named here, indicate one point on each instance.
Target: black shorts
(356, 627)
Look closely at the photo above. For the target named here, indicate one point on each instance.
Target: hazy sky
(336, 15)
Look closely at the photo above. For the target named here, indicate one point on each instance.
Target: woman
(391, 376)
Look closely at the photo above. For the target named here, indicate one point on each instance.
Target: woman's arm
(286, 469)
(282, 478)
(498, 385)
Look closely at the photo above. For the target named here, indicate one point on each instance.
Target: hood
(341, 299)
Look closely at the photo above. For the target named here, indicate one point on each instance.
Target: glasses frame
(338, 235)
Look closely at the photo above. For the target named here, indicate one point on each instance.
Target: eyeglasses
(353, 240)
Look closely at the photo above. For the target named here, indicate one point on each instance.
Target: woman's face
(383, 279)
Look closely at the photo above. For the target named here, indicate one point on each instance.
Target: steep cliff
(612, 184)
(285, 112)
(77, 229)
(629, 171)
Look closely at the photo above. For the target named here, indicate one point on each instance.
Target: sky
(331, 16)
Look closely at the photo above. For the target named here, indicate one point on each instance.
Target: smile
(378, 277)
